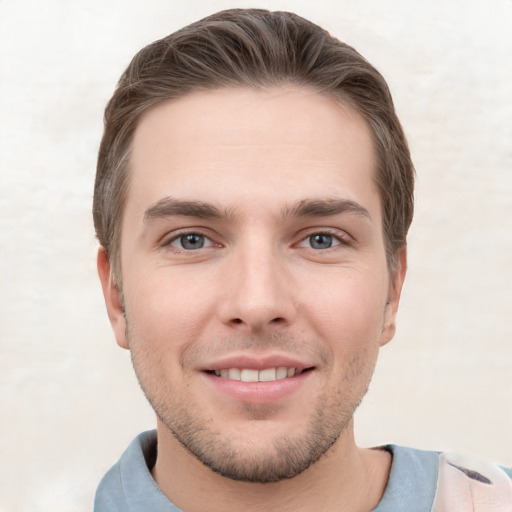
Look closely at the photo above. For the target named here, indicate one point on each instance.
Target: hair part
(251, 48)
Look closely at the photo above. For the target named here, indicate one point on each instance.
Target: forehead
(243, 145)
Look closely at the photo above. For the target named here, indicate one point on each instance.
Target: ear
(113, 299)
(396, 281)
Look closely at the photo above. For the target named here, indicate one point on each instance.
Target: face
(255, 287)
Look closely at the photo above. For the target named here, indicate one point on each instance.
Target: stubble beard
(242, 459)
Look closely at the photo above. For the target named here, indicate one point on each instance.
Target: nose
(257, 291)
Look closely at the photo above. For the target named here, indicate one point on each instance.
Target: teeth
(267, 375)
(234, 374)
(282, 372)
(250, 375)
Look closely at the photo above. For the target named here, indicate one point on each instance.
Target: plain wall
(69, 402)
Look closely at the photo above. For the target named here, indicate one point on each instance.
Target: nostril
(277, 320)
(237, 321)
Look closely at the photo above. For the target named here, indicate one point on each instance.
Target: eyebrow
(168, 207)
(325, 208)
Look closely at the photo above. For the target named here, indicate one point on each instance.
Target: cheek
(350, 306)
(349, 318)
(166, 315)
(166, 303)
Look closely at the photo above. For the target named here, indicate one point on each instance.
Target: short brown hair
(251, 48)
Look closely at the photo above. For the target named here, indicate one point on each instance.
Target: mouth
(257, 381)
(258, 378)
(254, 375)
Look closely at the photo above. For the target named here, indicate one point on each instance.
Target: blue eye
(321, 241)
(190, 241)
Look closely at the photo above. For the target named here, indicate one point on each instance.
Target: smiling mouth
(252, 375)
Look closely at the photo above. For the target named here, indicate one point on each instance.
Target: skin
(260, 287)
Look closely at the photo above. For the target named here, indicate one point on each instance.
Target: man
(252, 201)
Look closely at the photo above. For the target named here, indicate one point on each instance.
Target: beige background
(69, 403)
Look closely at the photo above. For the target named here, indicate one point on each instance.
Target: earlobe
(396, 281)
(112, 297)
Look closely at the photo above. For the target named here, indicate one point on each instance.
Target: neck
(346, 478)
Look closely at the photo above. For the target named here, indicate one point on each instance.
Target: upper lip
(254, 362)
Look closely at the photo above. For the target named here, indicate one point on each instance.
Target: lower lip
(258, 392)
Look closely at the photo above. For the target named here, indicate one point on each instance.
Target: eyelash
(341, 238)
(177, 236)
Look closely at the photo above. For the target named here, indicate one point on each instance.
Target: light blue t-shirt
(414, 483)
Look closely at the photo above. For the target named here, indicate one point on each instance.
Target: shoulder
(443, 482)
(412, 480)
(109, 494)
(128, 485)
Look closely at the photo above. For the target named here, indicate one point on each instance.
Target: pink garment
(468, 485)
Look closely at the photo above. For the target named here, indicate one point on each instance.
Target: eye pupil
(192, 241)
(320, 241)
